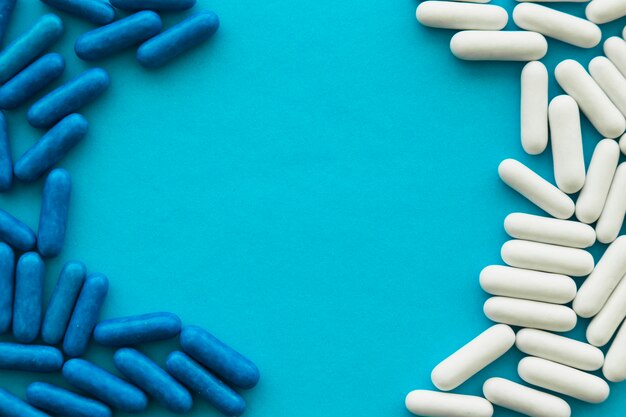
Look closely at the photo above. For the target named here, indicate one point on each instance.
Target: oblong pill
(117, 36)
(16, 233)
(549, 230)
(28, 303)
(536, 189)
(603, 326)
(445, 404)
(128, 331)
(603, 11)
(547, 258)
(483, 45)
(60, 401)
(6, 11)
(7, 278)
(148, 376)
(610, 80)
(527, 313)
(6, 160)
(534, 107)
(30, 358)
(51, 148)
(95, 11)
(523, 399)
(622, 144)
(612, 217)
(181, 37)
(219, 358)
(473, 357)
(614, 368)
(12, 406)
(615, 50)
(457, 15)
(55, 204)
(161, 5)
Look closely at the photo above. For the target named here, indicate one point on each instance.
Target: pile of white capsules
(534, 290)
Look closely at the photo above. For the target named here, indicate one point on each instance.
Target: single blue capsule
(16, 233)
(159, 5)
(96, 11)
(30, 358)
(29, 281)
(128, 331)
(7, 278)
(59, 401)
(6, 161)
(55, 205)
(12, 406)
(6, 11)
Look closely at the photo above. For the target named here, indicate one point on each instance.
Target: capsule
(7, 274)
(85, 315)
(603, 11)
(62, 302)
(548, 230)
(117, 36)
(59, 401)
(128, 331)
(51, 148)
(104, 386)
(466, 362)
(527, 313)
(610, 80)
(11, 406)
(160, 5)
(622, 144)
(600, 174)
(536, 189)
(28, 46)
(612, 217)
(456, 15)
(534, 108)
(192, 31)
(68, 98)
(614, 368)
(6, 160)
(148, 376)
(31, 80)
(6, 11)
(523, 399)
(445, 404)
(16, 233)
(55, 205)
(96, 11)
(604, 325)
(219, 358)
(483, 45)
(615, 49)
(29, 282)
(30, 358)
(547, 258)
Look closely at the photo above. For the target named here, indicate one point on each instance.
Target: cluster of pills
(204, 365)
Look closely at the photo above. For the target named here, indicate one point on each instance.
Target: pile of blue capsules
(204, 365)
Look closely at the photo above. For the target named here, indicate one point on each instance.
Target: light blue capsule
(159, 5)
(30, 358)
(51, 148)
(68, 98)
(6, 10)
(16, 233)
(110, 39)
(85, 315)
(22, 51)
(31, 80)
(62, 302)
(104, 386)
(96, 11)
(221, 359)
(192, 31)
(29, 281)
(200, 381)
(59, 401)
(6, 161)
(55, 205)
(7, 278)
(12, 406)
(147, 375)
(128, 331)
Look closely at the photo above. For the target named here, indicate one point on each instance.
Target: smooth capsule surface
(534, 107)
(128, 331)
(12, 406)
(527, 313)
(96, 11)
(160, 5)
(548, 230)
(28, 304)
(483, 45)
(16, 233)
(622, 144)
(523, 399)
(612, 216)
(55, 204)
(547, 258)
(615, 50)
(6, 11)
(610, 80)
(457, 15)
(614, 368)
(603, 326)
(7, 277)
(603, 11)
(6, 160)
(60, 401)
(30, 358)
(445, 404)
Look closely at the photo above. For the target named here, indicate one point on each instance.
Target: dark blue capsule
(96, 11)
(16, 233)
(6, 161)
(55, 206)
(110, 39)
(59, 401)
(159, 5)
(192, 31)
(29, 281)
(128, 331)
(6, 11)
(7, 279)
(30, 358)
(12, 406)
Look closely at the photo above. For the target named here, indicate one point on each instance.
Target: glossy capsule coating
(603, 11)
(16, 233)
(6, 11)
(7, 278)
(548, 230)
(28, 304)
(527, 313)
(128, 331)
(30, 358)
(12, 406)
(610, 80)
(59, 401)
(524, 400)
(6, 160)
(615, 50)
(498, 45)
(96, 11)
(604, 325)
(457, 15)
(55, 206)
(534, 107)
(445, 404)
(611, 220)
(160, 5)
(547, 258)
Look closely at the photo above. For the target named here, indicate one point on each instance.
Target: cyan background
(317, 186)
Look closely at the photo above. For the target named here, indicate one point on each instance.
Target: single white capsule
(622, 144)
(547, 258)
(443, 404)
(612, 217)
(549, 230)
(457, 15)
(615, 50)
(614, 368)
(603, 11)
(610, 80)
(527, 313)
(534, 108)
(524, 400)
(603, 326)
(483, 45)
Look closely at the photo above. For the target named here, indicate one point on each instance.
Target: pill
(563, 379)
(51, 148)
(547, 258)
(600, 284)
(30, 358)
(7, 274)
(29, 45)
(62, 302)
(593, 102)
(160, 5)
(622, 144)
(483, 45)
(6, 10)
(16, 233)
(600, 174)
(202, 382)
(117, 36)
(6, 160)
(104, 386)
(60, 401)
(12, 406)
(534, 108)
(55, 204)
(127, 331)
(85, 314)
(612, 217)
(549, 230)
(603, 11)
(457, 15)
(555, 1)
(527, 284)
(219, 358)
(614, 368)
(527, 313)
(536, 189)
(466, 362)
(523, 399)
(153, 380)
(445, 404)
(96, 11)
(192, 31)
(68, 98)
(567, 144)
(604, 324)
(615, 49)
(29, 281)
(610, 80)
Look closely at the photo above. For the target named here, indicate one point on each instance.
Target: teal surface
(317, 186)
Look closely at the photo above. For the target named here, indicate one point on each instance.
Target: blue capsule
(192, 31)
(228, 364)
(110, 39)
(59, 401)
(68, 98)
(51, 148)
(6, 161)
(12, 406)
(31, 80)
(127, 331)
(22, 51)
(7, 274)
(85, 315)
(16, 233)
(30, 358)
(27, 306)
(62, 302)
(55, 205)
(96, 11)
(104, 386)
(160, 5)
(148, 376)
(205, 384)
(6, 10)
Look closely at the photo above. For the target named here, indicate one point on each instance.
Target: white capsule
(614, 368)
(443, 404)
(548, 230)
(527, 313)
(598, 182)
(547, 258)
(598, 108)
(482, 45)
(612, 217)
(524, 400)
(622, 144)
(610, 80)
(603, 11)
(615, 49)
(603, 326)
(563, 379)
(456, 15)
(553, 1)
(534, 107)
(600, 284)
(539, 191)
